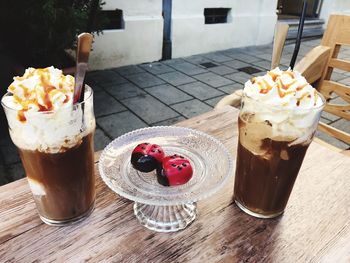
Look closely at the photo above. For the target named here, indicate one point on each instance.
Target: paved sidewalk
(163, 93)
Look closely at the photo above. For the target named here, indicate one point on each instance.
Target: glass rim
(280, 108)
(87, 87)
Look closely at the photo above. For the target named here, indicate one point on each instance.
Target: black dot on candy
(184, 164)
(179, 168)
(143, 148)
(159, 151)
(153, 151)
(182, 157)
(173, 165)
(146, 143)
(172, 157)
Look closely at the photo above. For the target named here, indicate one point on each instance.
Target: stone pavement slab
(217, 57)
(264, 64)
(240, 77)
(101, 139)
(197, 59)
(212, 102)
(191, 108)
(169, 121)
(265, 56)
(119, 123)
(144, 79)
(342, 124)
(345, 81)
(124, 90)
(173, 61)
(168, 94)
(103, 77)
(156, 68)
(236, 64)
(222, 70)
(244, 57)
(337, 76)
(105, 104)
(213, 80)
(128, 70)
(149, 109)
(176, 78)
(200, 90)
(229, 89)
(189, 68)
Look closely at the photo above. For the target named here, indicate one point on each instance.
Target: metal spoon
(83, 51)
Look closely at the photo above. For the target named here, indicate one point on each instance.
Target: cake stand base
(165, 218)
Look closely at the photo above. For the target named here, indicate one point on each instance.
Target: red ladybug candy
(146, 157)
(175, 170)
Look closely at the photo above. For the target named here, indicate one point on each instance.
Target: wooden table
(315, 226)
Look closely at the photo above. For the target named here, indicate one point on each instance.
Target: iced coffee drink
(55, 142)
(279, 116)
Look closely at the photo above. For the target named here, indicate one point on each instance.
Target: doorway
(289, 9)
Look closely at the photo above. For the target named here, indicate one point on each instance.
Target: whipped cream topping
(285, 101)
(286, 89)
(44, 89)
(40, 111)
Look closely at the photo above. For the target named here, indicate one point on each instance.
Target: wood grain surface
(314, 228)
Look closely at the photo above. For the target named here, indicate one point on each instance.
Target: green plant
(38, 31)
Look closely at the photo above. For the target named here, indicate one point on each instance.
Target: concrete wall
(334, 6)
(140, 41)
(250, 22)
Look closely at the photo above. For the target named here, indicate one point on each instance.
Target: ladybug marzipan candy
(146, 157)
(175, 170)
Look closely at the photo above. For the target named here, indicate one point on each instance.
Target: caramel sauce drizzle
(282, 89)
(302, 86)
(273, 76)
(32, 97)
(306, 94)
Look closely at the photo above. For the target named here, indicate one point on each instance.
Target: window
(216, 15)
(114, 18)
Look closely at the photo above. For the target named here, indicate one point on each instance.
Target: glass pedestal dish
(157, 207)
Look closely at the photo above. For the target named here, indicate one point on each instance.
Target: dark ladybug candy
(146, 157)
(175, 170)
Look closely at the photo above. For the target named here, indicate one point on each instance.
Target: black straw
(300, 32)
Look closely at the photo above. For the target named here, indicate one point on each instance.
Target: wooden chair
(317, 67)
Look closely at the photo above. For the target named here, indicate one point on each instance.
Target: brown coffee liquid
(67, 177)
(264, 182)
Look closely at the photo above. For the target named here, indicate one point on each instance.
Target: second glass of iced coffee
(278, 119)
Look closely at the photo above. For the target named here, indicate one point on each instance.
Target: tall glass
(57, 153)
(271, 148)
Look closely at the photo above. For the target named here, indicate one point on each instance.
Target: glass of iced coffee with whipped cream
(278, 119)
(54, 138)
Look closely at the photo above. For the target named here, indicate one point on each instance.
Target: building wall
(140, 41)
(250, 22)
(334, 6)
